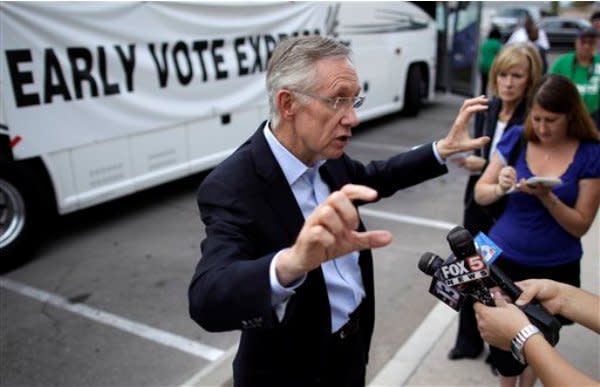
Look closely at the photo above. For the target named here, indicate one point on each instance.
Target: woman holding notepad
(554, 193)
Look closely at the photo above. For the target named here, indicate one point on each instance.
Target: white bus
(103, 99)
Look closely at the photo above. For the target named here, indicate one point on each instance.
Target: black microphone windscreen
(461, 242)
(429, 263)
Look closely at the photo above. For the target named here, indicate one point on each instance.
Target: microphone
(452, 296)
(463, 246)
(470, 270)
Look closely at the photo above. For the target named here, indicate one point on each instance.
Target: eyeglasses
(337, 103)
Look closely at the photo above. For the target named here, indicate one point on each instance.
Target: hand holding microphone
(466, 273)
(462, 244)
(546, 291)
(503, 325)
(499, 325)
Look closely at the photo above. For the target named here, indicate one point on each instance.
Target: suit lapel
(334, 175)
(282, 200)
(288, 214)
(278, 192)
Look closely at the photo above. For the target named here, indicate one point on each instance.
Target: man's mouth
(343, 139)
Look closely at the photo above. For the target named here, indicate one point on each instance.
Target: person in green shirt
(595, 20)
(582, 67)
(487, 52)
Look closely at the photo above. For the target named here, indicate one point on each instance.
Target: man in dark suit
(286, 258)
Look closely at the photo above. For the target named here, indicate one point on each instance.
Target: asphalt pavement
(422, 360)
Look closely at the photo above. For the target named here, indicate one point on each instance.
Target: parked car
(509, 19)
(562, 31)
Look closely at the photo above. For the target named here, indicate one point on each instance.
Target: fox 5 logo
(462, 267)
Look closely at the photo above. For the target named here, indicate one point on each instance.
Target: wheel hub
(12, 213)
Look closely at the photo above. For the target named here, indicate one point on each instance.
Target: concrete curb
(404, 363)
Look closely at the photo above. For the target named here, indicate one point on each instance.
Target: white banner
(73, 73)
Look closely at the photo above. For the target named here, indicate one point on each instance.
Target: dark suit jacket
(475, 219)
(250, 214)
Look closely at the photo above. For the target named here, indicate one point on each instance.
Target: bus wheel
(19, 216)
(412, 93)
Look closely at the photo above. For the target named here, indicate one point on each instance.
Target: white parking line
(165, 338)
(219, 371)
(216, 373)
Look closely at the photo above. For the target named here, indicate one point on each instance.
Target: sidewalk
(422, 360)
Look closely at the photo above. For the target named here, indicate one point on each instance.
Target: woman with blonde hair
(512, 76)
(541, 227)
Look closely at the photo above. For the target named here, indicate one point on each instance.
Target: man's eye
(342, 101)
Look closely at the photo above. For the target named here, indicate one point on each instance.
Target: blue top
(526, 232)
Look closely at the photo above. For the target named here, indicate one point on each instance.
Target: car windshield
(513, 12)
(565, 23)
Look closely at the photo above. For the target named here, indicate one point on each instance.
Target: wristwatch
(516, 346)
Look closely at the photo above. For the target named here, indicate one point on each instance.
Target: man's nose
(350, 117)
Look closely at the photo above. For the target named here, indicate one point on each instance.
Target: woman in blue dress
(541, 227)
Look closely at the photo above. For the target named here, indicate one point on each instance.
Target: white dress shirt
(343, 278)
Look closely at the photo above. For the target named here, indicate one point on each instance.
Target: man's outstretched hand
(458, 138)
(330, 232)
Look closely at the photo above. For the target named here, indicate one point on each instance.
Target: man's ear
(286, 104)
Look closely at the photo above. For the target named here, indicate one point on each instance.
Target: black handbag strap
(514, 152)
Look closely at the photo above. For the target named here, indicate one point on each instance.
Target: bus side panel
(102, 171)
(59, 167)
(215, 136)
(381, 71)
(386, 39)
(96, 173)
(158, 156)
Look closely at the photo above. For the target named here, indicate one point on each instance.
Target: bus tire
(412, 93)
(21, 212)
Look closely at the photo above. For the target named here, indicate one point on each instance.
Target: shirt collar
(291, 166)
